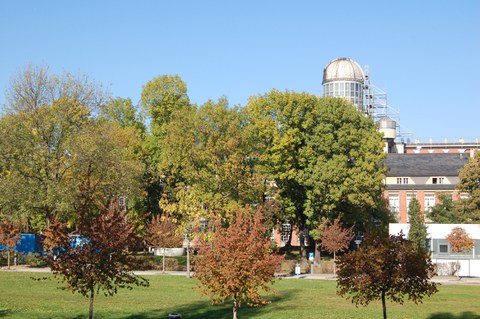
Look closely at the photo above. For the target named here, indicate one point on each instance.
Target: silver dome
(343, 69)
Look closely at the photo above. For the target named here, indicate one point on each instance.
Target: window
(402, 180)
(429, 202)
(286, 229)
(443, 248)
(394, 204)
(438, 180)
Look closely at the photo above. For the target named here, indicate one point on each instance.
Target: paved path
(439, 279)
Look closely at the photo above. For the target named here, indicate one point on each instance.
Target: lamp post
(187, 237)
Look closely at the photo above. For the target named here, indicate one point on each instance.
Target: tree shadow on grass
(446, 315)
(205, 310)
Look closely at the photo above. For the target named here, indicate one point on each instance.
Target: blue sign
(310, 256)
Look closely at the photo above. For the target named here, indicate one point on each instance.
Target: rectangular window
(443, 248)
(394, 205)
(402, 180)
(438, 180)
(429, 202)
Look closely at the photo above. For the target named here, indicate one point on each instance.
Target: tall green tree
(418, 231)
(57, 156)
(209, 163)
(444, 212)
(469, 176)
(323, 154)
(161, 97)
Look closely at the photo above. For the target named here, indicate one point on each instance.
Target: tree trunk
(334, 264)
(235, 306)
(90, 312)
(163, 261)
(384, 305)
(8, 258)
(188, 258)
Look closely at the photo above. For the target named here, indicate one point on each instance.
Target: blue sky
(425, 54)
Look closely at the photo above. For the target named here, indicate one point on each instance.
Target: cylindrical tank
(343, 77)
(388, 127)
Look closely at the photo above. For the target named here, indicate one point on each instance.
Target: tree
(334, 238)
(385, 267)
(238, 263)
(323, 154)
(34, 87)
(469, 176)
(418, 231)
(444, 212)
(9, 236)
(161, 97)
(207, 166)
(459, 242)
(163, 232)
(99, 259)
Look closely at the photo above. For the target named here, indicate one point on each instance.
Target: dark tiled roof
(425, 164)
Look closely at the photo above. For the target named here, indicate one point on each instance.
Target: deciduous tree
(334, 237)
(9, 236)
(323, 154)
(99, 260)
(444, 212)
(238, 263)
(460, 241)
(385, 267)
(163, 232)
(469, 209)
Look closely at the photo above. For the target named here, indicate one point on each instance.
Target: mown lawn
(22, 297)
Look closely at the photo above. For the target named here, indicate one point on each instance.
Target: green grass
(21, 297)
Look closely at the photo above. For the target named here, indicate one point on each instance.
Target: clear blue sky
(425, 54)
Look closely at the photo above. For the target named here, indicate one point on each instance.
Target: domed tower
(343, 77)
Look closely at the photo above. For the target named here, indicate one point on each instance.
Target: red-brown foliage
(9, 236)
(385, 267)
(238, 263)
(459, 240)
(334, 238)
(100, 261)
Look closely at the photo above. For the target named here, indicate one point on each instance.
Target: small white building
(441, 252)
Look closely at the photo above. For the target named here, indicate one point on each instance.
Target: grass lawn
(21, 297)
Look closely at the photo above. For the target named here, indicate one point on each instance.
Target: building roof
(343, 69)
(424, 164)
(420, 187)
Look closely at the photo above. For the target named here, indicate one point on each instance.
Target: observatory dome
(343, 69)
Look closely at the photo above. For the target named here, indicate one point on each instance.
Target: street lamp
(187, 238)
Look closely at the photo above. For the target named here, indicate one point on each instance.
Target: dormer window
(438, 180)
(402, 180)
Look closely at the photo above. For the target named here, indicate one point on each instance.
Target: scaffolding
(376, 105)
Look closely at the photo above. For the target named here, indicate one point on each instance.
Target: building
(420, 176)
(441, 253)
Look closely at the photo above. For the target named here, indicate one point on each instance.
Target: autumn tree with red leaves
(9, 236)
(99, 261)
(459, 242)
(334, 237)
(385, 267)
(163, 232)
(238, 263)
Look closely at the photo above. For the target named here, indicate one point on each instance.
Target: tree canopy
(385, 267)
(98, 260)
(469, 176)
(418, 231)
(238, 263)
(323, 154)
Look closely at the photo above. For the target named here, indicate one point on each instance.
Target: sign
(310, 257)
